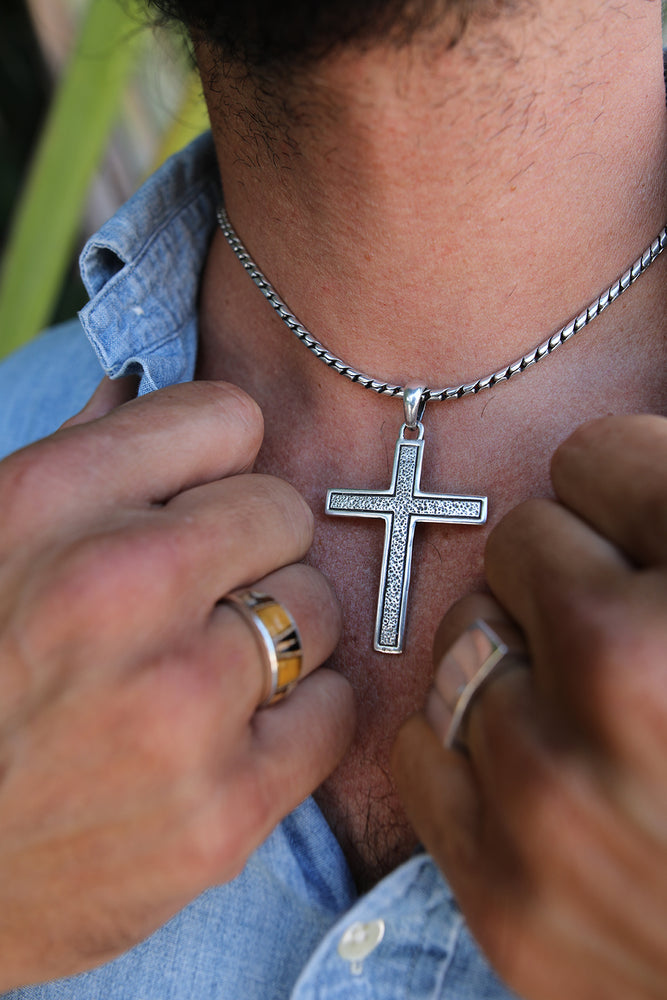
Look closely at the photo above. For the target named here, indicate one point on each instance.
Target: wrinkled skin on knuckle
(41, 486)
(618, 459)
(619, 431)
(45, 615)
(583, 437)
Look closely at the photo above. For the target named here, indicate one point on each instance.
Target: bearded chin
(278, 34)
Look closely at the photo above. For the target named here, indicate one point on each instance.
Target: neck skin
(431, 215)
(512, 177)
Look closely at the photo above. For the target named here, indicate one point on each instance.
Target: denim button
(359, 940)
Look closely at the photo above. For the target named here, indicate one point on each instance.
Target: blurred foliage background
(93, 97)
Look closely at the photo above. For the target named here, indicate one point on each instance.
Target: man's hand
(553, 829)
(134, 770)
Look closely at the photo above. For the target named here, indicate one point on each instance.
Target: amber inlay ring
(278, 640)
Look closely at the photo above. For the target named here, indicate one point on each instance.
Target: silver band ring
(501, 656)
(278, 640)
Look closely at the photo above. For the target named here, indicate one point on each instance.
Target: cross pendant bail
(414, 404)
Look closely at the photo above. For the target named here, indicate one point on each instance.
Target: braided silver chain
(547, 347)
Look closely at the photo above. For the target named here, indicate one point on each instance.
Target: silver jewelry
(547, 347)
(278, 640)
(402, 505)
(501, 656)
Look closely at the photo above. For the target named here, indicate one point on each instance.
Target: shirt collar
(142, 271)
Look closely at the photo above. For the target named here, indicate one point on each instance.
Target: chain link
(547, 347)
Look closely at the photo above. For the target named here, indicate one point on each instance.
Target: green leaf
(73, 141)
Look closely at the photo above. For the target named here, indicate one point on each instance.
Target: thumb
(109, 394)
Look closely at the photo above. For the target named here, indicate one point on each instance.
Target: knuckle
(214, 849)
(611, 427)
(28, 477)
(621, 647)
(566, 459)
(295, 511)
(586, 434)
(638, 438)
(151, 558)
(275, 499)
(92, 575)
(228, 824)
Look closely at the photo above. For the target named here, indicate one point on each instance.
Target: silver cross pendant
(401, 507)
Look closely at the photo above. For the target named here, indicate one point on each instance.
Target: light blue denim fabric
(274, 932)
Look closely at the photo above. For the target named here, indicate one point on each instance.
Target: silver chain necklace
(403, 504)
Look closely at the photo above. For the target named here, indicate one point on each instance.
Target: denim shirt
(291, 925)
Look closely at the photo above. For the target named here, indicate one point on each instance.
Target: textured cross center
(401, 507)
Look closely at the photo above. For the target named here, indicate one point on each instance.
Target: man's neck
(431, 215)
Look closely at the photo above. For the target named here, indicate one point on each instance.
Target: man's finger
(593, 626)
(541, 562)
(230, 533)
(154, 576)
(440, 795)
(462, 614)
(142, 453)
(545, 565)
(109, 394)
(293, 747)
(613, 473)
(237, 649)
